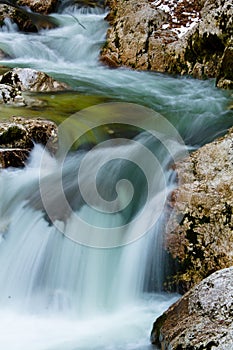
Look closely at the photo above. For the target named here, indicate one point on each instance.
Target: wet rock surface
(201, 319)
(27, 79)
(200, 236)
(189, 37)
(28, 16)
(18, 136)
(19, 80)
(45, 7)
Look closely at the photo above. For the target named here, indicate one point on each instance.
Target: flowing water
(85, 270)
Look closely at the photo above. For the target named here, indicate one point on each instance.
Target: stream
(81, 258)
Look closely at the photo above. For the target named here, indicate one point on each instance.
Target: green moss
(200, 49)
(56, 106)
(12, 134)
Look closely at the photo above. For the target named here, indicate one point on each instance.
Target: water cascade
(84, 269)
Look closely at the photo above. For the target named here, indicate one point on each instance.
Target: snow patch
(183, 15)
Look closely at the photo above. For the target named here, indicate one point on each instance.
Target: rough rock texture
(27, 79)
(14, 157)
(185, 38)
(11, 95)
(225, 72)
(17, 138)
(20, 14)
(45, 6)
(132, 25)
(19, 80)
(200, 236)
(201, 319)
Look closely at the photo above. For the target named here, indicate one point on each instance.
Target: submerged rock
(18, 136)
(201, 319)
(200, 235)
(188, 37)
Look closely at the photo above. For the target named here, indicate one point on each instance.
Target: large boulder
(133, 23)
(201, 319)
(185, 38)
(200, 233)
(18, 136)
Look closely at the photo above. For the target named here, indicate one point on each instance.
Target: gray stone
(11, 95)
(201, 319)
(27, 79)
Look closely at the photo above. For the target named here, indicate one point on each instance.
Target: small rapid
(71, 53)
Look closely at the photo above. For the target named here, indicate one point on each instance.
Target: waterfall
(83, 268)
(57, 261)
(46, 268)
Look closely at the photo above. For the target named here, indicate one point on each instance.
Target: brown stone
(45, 7)
(26, 20)
(200, 233)
(18, 136)
(225, 71)
(143, 36)
(13, 157)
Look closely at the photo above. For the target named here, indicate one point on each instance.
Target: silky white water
(59, 294)
(56, 292)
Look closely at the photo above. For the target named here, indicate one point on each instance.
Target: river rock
(200, 233)
(11, 95)
(45, 7)
(201, 319)
(27, 79)
(14, 157)
(18, 136)
(22, 16)
(188, 37)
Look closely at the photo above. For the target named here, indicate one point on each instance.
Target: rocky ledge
(201, 319)
(200, 235)
(185, 37)
(18, 136)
